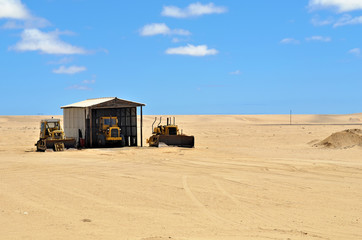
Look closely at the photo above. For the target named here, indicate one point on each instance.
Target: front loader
(109, 133)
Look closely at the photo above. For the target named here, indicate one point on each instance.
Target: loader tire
(101, 140)
(123, 142)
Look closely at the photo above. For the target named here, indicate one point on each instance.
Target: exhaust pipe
(159, 122)
(153, 124)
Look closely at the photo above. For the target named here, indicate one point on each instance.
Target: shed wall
(74, 119)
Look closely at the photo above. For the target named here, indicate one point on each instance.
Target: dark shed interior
(126, 113)
(127, 121)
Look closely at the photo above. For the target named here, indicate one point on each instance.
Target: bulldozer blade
(68, 143)
(176, 140)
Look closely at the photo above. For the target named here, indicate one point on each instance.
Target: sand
(249, 177)
(343, 139)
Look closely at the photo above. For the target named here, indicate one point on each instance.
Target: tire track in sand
(313, 233)
(260, 216)
(206, 211)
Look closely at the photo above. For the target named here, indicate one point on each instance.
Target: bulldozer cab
(170, 130)
(50, 128)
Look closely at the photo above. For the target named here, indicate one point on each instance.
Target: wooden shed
(80, 119)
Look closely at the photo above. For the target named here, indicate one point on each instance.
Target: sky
(181, 56)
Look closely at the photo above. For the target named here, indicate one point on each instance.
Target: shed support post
(91, 127)
(141, 128)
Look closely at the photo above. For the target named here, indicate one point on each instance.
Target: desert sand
(248, 177)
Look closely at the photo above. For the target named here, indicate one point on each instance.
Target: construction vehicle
(52, 136)
(109, 133)
(169, 135)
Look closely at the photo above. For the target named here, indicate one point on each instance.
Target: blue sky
(182, 57)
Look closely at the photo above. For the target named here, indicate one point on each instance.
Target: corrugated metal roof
(95, 101)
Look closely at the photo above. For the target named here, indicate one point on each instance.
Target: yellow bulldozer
(52, 136)
(109, 133)
(169, 135)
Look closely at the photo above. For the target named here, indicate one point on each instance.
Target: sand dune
(249, 177)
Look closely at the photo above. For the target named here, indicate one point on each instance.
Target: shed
(80, 119)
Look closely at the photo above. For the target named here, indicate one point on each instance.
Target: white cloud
(181, 32)
(154, 29)
(13, 9)
(237, 72)
(69, 70)
(49, 43)
(348, 20)
(193, 10)
(289, 41)
(89, 81)
(317, 22)
(355, 51)
(84, 86)
(161, 28)
(29, 23)
(80, 87)
(191, 50)
(178, 40)
(340, 5)
(63, 60)
(20, 15)
(319, 39)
